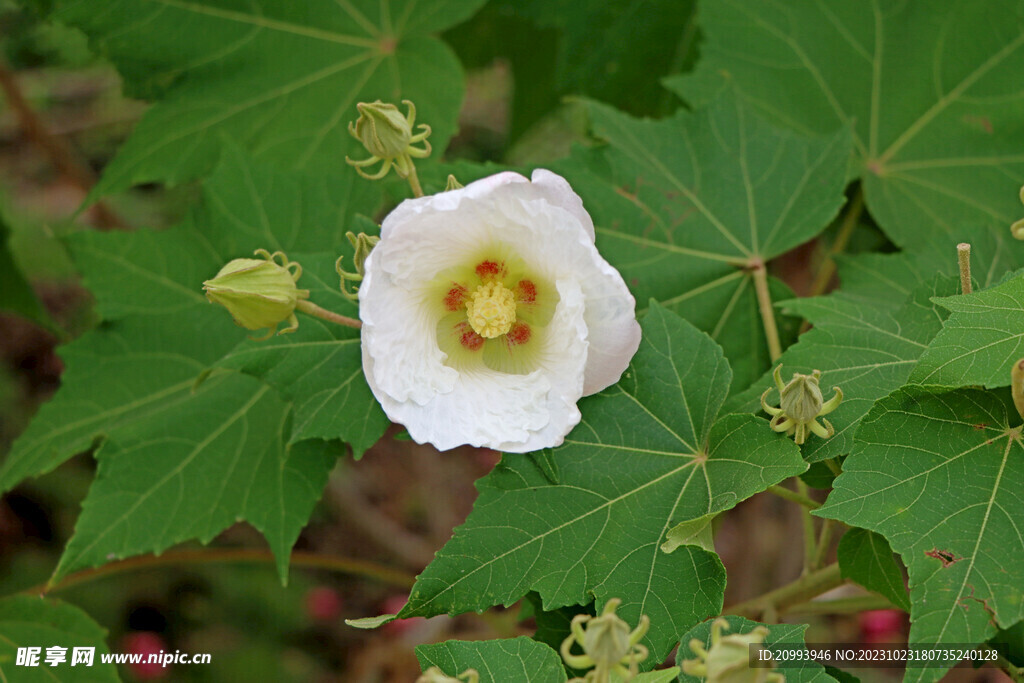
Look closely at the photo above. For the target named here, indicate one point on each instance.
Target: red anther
(490, 270)
(469, 338)
(455, 298)
(519, 333)
(526, 292)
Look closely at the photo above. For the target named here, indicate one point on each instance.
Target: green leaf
(647, 455)
(684, 205)
(194, 470)
(792, 635)
(932, 91)
(16, 295)
(938, 474)
(885, 280)
(518, 660)
(30, 621)
(283, 79)
(696, 532)
(661, 676)
(860, 347)
(640, 43)
(318, 367)
(980, 341)
(866, 558)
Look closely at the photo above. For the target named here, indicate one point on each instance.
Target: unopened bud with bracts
(259, 293)
(388, 136)
(362, 244)
(435, 675)
(608, 644)
(727, 660)
(800, 405)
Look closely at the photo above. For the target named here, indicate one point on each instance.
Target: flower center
(491, 310)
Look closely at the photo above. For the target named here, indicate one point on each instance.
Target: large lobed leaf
(860, 346)
(686, 205)
(938, 474)
(648, 455)
(980, 342)
(932, 91)
(240, 449)
(282, 78)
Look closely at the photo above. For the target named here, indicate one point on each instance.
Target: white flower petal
(585, 348)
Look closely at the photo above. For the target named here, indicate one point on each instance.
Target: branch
(305, 560)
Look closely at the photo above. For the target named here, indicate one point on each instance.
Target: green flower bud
(800, 406)
(435, 675)
(801, 399)
(259, 293)
(363, 245)
(606, 639)
(383, 130)
(727, 660)
(608, 644)
(388, 136)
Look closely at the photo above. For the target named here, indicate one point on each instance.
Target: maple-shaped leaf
(981, 340)
(648, 455)
(265, 448)
(281, 78)
(864, 348)
(687, 206)
(938, 473)
(932, 91)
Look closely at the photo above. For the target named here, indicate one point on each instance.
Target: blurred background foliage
(62, 118)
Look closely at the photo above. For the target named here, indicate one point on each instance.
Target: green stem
(828, 266)
(414, 181)
(810, 549)
(1016, 673)
(824, 540)
(793, 496)
(310, 308)
(834, 465)
(764, 305)
(798, 592)
(305, 560)
(861, 603)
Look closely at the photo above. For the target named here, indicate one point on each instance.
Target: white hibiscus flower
(488, 312)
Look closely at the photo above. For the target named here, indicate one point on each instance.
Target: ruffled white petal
(586, 347)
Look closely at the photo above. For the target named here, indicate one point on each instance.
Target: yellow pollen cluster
(491, 310)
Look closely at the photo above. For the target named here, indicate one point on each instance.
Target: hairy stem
(963, 257)
(764, 305)
(61, 154)
(309, 308)
(798, 592)
(305, 560)
(793, 496)
(1016, 673)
